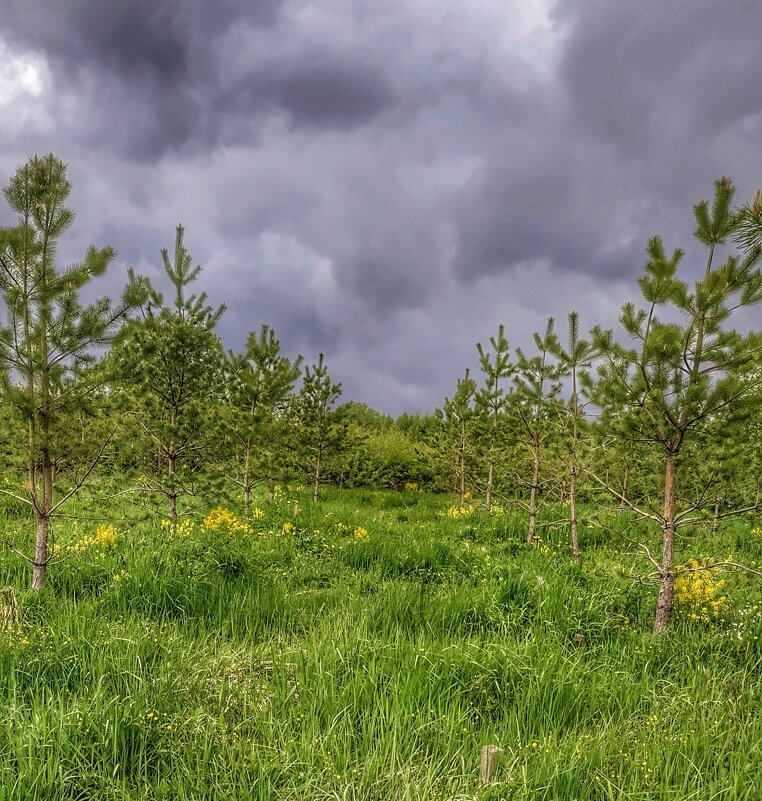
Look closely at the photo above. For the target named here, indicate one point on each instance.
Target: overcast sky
(388, 181)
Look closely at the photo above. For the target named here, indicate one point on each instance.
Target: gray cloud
(320, 89)
(142, 71)
(681, 71)
(387, 182)
(131, 39)
(647, 102)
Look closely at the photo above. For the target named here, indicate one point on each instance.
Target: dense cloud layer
(387, 182)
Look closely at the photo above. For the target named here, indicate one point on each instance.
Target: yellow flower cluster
(697, 591)
(221, 519)
(360, 533)
(14, 636)
(456, 512)
(288, 528)
(539, 544)
(101, 541)
(182, 529)
(411, 485)
(258, 513)
(756, 532)
(496, 510)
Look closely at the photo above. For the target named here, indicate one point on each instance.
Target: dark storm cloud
(130, 38)
(142, 70)
(644, 75)
(646, 93)
(386, 282)
(388, 181)
(545, 209)
(155, 82)
(315, 89)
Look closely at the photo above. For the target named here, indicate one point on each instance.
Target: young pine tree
(171, 364)
(490, 403)
(49, 335)
(259, 384)
(318, 434)
(575, 357)
(454, 437)
(537, 388)
(684, 374)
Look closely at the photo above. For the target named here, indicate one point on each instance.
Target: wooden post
(491, 756)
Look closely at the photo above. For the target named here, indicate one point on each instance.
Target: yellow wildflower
(101, 541)
(182, 529)
(456, 512)
(697, 591)
(221, 519)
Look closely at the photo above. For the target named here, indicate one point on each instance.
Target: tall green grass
(318, 664)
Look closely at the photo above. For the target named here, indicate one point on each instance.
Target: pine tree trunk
(667, 578)
(40, 551)
(171, 467)
(43, 505)
(573, 512)
(624, 487)
(31, 469)
(716, 515)
(488, 496)
(462, 464)
(172, 491)
(316, 479)
(573, 471)
(533, 491)
(42, 511)
(246, 482)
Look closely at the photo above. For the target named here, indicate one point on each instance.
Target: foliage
(318, 434)
(169, 366)
(454, 444)
(258, 389)
(491, 400)
(382, 459)
(223, 520)
(100, 542)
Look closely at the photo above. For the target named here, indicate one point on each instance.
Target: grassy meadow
(366, 648)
